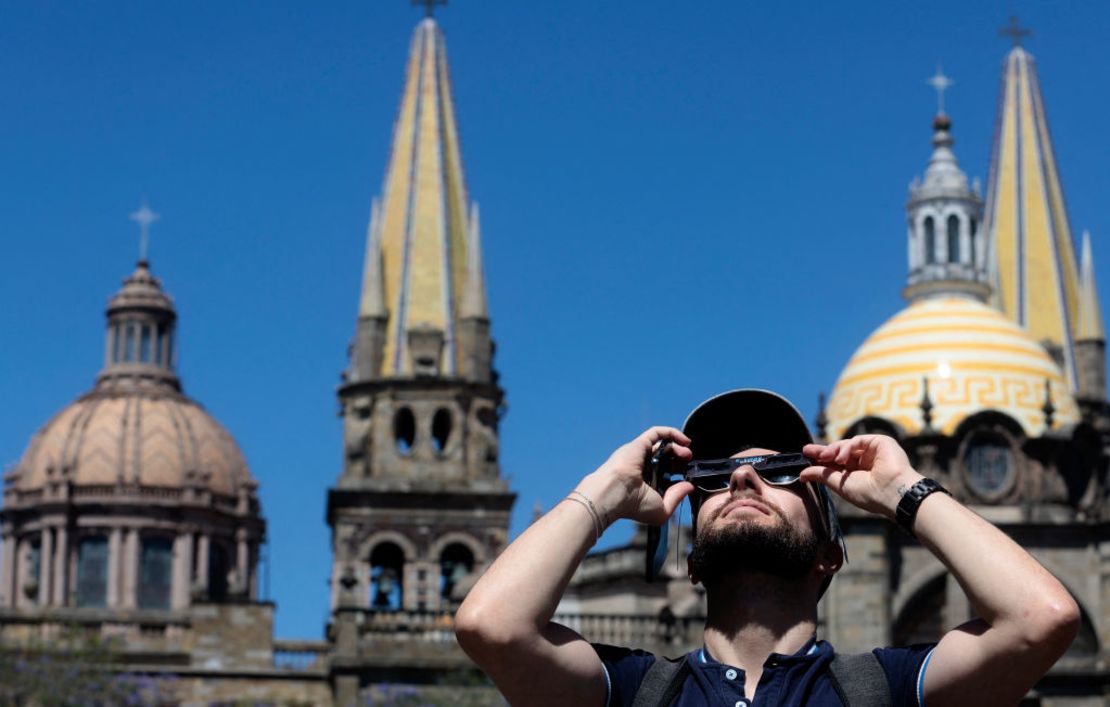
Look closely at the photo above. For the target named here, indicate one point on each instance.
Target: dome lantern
(946, 251)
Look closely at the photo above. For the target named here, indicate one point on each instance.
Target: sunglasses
(713, 475)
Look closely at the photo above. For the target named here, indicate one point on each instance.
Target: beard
(781, 551)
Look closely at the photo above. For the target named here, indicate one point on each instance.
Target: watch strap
(906, 511)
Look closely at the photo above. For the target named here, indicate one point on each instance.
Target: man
(764, 552)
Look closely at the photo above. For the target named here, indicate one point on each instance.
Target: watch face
(989, 462)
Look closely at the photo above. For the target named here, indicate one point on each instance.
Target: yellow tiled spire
(1032, 257)
(1089, 327)
(420, 227)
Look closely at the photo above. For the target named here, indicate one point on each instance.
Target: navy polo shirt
(799, 679)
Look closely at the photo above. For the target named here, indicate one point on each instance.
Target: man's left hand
(870, 471)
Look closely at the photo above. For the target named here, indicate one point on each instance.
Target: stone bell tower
(420, 508)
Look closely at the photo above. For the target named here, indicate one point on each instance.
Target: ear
(830, 558)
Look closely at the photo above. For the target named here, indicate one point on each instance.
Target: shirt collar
(810, 648)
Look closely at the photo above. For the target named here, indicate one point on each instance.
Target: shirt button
(730, 674)
(741, 703)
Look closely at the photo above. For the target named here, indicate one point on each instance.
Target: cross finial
(1015, 31)
(429, 5)
(941, 83)
(144, 217)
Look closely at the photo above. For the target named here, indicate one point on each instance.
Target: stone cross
(144, 217)
(1015, 31)
(941, 83)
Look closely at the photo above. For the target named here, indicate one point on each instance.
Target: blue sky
(677, 198)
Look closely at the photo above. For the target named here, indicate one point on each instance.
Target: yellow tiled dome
(974, 358)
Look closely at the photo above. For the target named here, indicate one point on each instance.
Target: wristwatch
(911, 501)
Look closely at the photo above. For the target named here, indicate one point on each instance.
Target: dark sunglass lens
(712, 484)
(780, 478)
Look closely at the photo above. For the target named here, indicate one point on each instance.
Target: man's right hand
(618, 485)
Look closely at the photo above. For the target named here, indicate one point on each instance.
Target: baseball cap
(742, 418)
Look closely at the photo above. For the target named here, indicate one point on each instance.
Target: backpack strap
(860, 680)
(662, 682)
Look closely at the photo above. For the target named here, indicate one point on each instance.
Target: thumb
(674, 495)
(826, 475)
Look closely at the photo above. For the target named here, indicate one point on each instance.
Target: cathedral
(133, 519)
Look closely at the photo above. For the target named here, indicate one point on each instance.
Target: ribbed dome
(974, 358)
(136, 437)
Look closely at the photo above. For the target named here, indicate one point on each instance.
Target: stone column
(21, 550)
(252, 585)
(242, 560)
(182, 569)
(46, 555)
(7, 573)
(202, 564)
(130, 568)
(115, 557)
(61, 567)
(957, 609)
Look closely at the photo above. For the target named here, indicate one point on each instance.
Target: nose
(744, 478)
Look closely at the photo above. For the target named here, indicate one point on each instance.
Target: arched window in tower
(162, 358)
(155, 573)
(971, 229)
(456, 562)
(219, 566)
(92, 572)
(404, 430)
(441, 429)
(129, 341)
(930, 241)
(34, 571)
(116, 343)
(953, 239)
(145, 347)
(387, 564)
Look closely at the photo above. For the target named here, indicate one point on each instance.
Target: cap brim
(740, 419)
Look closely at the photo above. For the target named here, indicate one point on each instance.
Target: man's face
(755, 526)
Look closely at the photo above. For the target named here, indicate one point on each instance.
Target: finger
(823, 475)
(813, 451)
(681, 452)
(662, 433)
(845, 454)
(674, 495)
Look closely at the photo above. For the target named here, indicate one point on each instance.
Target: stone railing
(638, 631)
(301, 656)
(391, 630)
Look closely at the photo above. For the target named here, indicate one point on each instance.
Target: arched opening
(404, 430)
(92, 572)
(441, 429)
(116, 343)
(930, 241)
(953, 239)
(219, 565)
(129, 345)
(972, 227)
(145, 344)
(30, 583)
(155, 573)
(456, 562)
(387, 564)
(922, 619)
